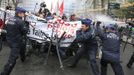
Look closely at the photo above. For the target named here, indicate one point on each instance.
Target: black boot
(131, 61)
(129, 66)
(23, 58)
(71, 65)
(1, 73)
(7, 69)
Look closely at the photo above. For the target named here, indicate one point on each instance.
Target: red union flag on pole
(61, 8)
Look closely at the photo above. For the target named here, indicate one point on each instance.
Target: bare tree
(94, 2)
(102, 3)
(8, 2)
(0, 2)
(15, 3)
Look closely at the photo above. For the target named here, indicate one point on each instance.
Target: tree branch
(0, 2)
(15, 3)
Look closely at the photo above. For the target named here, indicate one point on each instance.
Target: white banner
(39, 29)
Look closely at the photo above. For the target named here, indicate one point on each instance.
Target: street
(34, 65)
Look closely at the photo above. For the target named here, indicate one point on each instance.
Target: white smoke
(104, 18)
(108, 20)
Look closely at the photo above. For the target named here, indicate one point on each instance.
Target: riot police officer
(15, 31)
(87, 45)
(110, 50)
(131, 61)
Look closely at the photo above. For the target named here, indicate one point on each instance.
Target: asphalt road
(34, 65)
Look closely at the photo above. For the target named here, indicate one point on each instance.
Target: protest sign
(39, 29)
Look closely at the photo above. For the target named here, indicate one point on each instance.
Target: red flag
(61, 8)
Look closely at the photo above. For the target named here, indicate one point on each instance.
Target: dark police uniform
(88, 46)
(110, 51)
(15, 31)
(131, 61)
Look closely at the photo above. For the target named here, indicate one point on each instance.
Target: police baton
(126, 41)
(125, 44)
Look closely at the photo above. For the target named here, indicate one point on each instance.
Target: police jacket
(111, 45)
(16, 29)
(86, 38)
